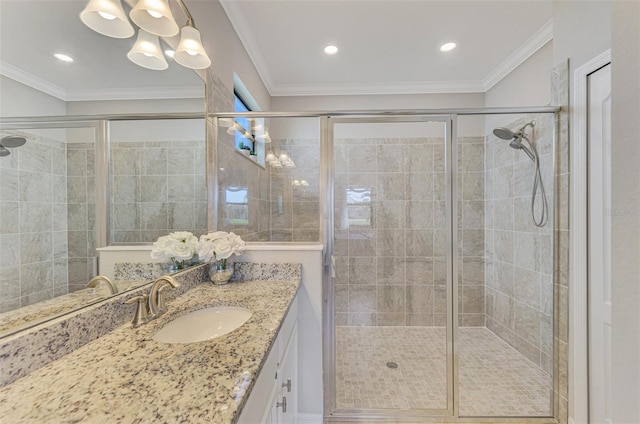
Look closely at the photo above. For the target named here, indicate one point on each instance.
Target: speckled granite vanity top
(126, 377)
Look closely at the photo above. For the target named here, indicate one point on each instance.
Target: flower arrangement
(219, 246)
(177, 247)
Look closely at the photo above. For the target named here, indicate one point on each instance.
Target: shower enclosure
(439, 279)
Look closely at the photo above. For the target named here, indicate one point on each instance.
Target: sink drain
(392, 365)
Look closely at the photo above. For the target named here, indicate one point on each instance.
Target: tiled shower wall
(81, 216)
(391, 235)
(33, 224)
(157, 188)
(519, 262)
(295, 192)
(239, 174)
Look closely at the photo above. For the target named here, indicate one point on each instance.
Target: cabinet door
(289, 372)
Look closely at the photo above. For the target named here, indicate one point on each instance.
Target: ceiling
(387, 46)
(32, 30)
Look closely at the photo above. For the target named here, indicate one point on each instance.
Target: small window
(359, 206)
(237, 199)
(242, 142)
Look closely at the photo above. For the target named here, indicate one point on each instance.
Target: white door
(599, 244)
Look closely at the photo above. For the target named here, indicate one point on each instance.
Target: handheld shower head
(12, 141)
(504, 133)
(4, 152)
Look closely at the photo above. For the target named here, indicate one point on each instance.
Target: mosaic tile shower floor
(495, 379)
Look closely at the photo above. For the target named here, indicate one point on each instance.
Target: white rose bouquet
(177, 247)
(219, 246)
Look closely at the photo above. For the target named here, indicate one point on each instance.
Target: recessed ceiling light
(170, 53)
(447, 47)
(331, 50)
(63, 57)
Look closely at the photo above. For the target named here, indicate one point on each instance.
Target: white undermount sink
(203, 324)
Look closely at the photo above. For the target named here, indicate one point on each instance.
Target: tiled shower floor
(495, 379)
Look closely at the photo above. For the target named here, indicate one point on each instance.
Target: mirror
(48, 195)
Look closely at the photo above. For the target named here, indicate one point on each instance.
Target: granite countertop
(29, 315)
(127, 377)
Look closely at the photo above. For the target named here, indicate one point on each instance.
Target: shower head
(504, 133)
(12, 141)
(4, 152)
(507, 134)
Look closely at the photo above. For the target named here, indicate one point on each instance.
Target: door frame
(578, 253)
(328, 209)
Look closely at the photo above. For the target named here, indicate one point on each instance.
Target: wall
(625, 221)
(295, 191)
(581, 30)
(390, 243)
(33, 253)
(519, 262)
(20, 100)
(81, 213)
(157, 187)
(471, 127)
(527, 85)
(123, 107)
(227, 54)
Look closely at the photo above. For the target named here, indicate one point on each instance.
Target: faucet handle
(142, 315)
(161, 306)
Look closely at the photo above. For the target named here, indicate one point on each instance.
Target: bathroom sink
(203, 324)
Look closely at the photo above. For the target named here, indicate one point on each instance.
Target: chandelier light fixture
(154, 19)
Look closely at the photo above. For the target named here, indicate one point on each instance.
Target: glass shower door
(390, 300)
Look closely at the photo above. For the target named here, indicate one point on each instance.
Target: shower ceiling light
(146, 52)
(107, 17)
(447, 47)
(331, 50)
(63, 57)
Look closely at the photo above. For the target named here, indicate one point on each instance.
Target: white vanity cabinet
(274, 397)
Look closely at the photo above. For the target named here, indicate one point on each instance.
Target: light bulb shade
(270, 157)
(190, 52)
(283, 157)
(146, 52)
(154, 16)
(107, 18)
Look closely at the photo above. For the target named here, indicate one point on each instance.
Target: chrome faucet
(155, 301)
(95, 280)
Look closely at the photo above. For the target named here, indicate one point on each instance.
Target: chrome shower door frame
(328, 231)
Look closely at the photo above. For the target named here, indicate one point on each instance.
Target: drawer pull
(287, 385)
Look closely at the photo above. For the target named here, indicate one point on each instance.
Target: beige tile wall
(33, 257)
(295, 192)
(391, 252)
(81, 217)
(519, 255)
(157, 188)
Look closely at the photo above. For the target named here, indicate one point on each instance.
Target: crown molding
(386, 88)
(515, 59)
(164, 93)
(248, 41)
(242, 28)
(31, 80)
